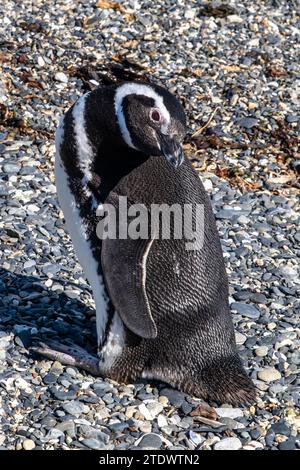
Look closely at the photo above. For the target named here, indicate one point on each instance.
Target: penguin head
(151, 120)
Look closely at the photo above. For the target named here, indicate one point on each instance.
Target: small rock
(75, 408)
(28, 444)
(292, 118)
(54, 434)
(248, 122)
(40, 61)
(229, 412)
(61, 77)
(50, 378)
(229, 443)
(11, 168)
(67, 427)
(281, 428)
(290, 444)
(145, 412)
(155, 408)
(150, 441)
(269, 374)
(253, 445)
(208, 186)
(261, 351)
(161, 421)
(93, 443)
(246, 310)
(175, 397)
(196, 438)
(240, 338)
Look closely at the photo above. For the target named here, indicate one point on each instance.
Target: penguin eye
(155, 115)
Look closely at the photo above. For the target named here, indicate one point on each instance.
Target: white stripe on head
(137, 89)
(84, 149)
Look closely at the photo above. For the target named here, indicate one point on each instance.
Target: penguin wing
(124, 269)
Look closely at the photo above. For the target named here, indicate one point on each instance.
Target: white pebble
(229, 412)
(161, 421)
(269, 374)
(28, 444)
(40, 61)
(145, 412)
(229, 443)
(61, 77)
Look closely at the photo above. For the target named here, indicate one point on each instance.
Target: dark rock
(150, 440)
(248, 122)
(49, 378)
(290, 444)
(270, 437)
(246, 310)
(62, 395)
(281, 428)
(176, 398)
(94, 444)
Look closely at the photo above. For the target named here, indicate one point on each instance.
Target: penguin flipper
(124, 269)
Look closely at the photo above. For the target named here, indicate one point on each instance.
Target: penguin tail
(225, 381)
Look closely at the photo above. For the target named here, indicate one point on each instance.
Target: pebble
(61, 77)
(228, 443)
(229, 412)
(150, 441)
(28, 444)
(246, 310)
(175, 397)
(240, 338)
(145, 412)
(269, 374)
(75, 408)
(94, 444)
(261, 351)
(289, 444)
(281, 428)
(248, 122)
(161, 421)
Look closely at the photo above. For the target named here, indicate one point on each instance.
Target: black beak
(171, 149)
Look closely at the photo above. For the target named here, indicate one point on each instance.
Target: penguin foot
(71, 355)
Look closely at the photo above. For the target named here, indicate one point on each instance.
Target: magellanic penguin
(162, 311)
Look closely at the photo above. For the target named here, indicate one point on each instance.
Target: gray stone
(176, 398)
(75, 408)
(292, 118)
(150, 441)
(248, 122)
(246, 310)
(67, 427)
(281, 428)
(94, 444)
(290, 444)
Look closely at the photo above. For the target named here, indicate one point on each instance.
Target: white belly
(83, 249)
(82, 246)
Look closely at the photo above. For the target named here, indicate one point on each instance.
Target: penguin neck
(114, 162)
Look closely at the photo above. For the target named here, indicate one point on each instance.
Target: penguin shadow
(33, 312)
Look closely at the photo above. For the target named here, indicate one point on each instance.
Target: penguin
(162, 311)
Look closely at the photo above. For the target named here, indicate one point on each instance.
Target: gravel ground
(236, 69)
